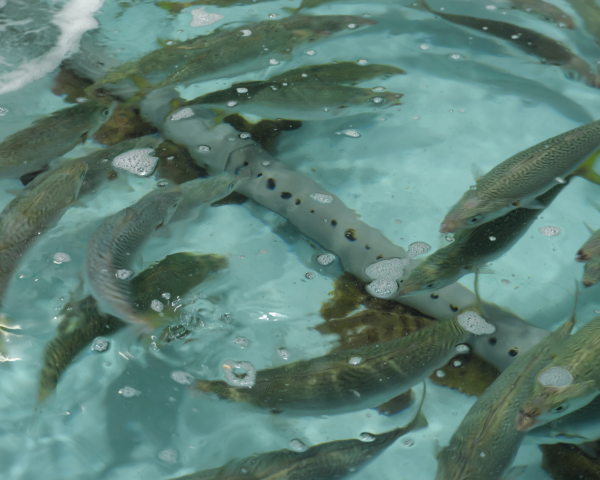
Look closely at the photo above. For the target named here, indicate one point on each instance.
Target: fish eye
(475, 219)
(430, 285)
(106, 112)
(560, 408)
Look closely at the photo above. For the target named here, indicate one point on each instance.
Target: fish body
(472, 248)
(350, 379)
(567, 382)
(111, 249)
(546, 10)
(591, 272)
(518, 181)
(311, 100)
(589, 253)
(204, 191)
(81, 321)
(35, 209)
(34, 147)
(324, 461)
(486, 442)
(279, 37)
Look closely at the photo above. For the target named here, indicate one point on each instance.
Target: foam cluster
(138, 161)
(555, 377)
(247, 381)
(472, 322)
(385, 274)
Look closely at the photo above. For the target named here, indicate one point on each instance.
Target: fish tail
(172, 7)
(586, 170)
(292, 10)
(421, 5)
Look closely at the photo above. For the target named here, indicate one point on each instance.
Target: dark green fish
(472, 248)
(336, 73)
(519, 180)
(589, 253)
(486, 442)
(325, 461)
(34, 147)
(357, 378)
(545, 10)
(81, 321)
(549, 50)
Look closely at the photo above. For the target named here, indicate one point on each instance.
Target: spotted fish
(518, 181)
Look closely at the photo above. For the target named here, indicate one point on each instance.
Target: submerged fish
(316, 100)
(177, 7)
(589, 253)
(279, 37)
(336, 73)
(357, 378)
(324, 461)
(567, 382)
(35, 209)
(81, 321)
(486, 442)
(549, 50)
(546, 10)
(472, 248)
(518, 181)
(34, 147)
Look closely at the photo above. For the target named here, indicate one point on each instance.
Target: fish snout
(588, 282)
(525, 421)
(581, 256)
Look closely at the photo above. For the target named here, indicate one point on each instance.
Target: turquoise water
(469, 98)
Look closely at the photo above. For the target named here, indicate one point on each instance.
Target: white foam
(321, 197)
(183, 378)
(201, 18)
(555, 377)
(475, 324)
(76, 18)
(247, 381)
(183, 113)
(418, 248)
(138, 161)
(385, 273)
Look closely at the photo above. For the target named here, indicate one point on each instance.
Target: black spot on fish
(298, 201)
(271, 183)
(246, 164)
(312, 211)
(368, 247)
(334, 223)
(286, 195)
(350, 234)
(259, 175)
(454, 308)
(513, 352)
(379, 257)
(493, 341)
(435, 296)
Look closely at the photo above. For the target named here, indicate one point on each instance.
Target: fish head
(426, 277)
(591, 273)
(472, 211)
(224, 183)
(161, 206)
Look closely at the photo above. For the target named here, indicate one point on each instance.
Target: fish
(486, 442)
(80, 321)
(519, 180)
(110, 252)
(473, 248)
(33, 148)
(591, 272)
(279, 37)
(34, 210)
(589, 253)
(547, 49)
(588, 12)
(545, 10)
(307, 101)
(355, 378)
(324, 461)
(177, 7)
(567, 382)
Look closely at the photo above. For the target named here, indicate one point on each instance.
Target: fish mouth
(447, 227)
(589, 283)
(581, 256)
(525, 422)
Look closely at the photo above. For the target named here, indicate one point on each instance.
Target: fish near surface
(306, 101)
(472, 248)
(35, 209)
(81, 321)
(325, 461)
(548, 50)
(111, 249)
(519, 180)
(567, 382)
(280, 37)
(356, 378)
(486, 442)
(34, 147)
(546, 10)
(589, 253)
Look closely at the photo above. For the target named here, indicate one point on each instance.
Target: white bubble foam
(325, 259)
(418, 248)
(351, 133)
(355, 361)
(246, 33)
(550, 231)
(61, 257)
(366, 437)
(382, 287)
(555, 377)
(462, 348)
(283, 353)
(183, 113)
(247, 381)
(241, 341)
(3, 111)
(100, 345)
(157, 305)
(138, 161)
(123, 274)
(297, 445)
(273, 61)
(168, 456)
(475, 324)
(129, 392)
(183, 378)
(201, 18)
(321, 197)
(242, 90)
(440, 374)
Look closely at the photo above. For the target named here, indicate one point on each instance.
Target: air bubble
(3, 111)
(247, 381)
(492, 239)
(311, 52)
(138, 161)
(351, 133)
(283, 353)
(297, 445)
(310, 275)
(273, 15)
(169, 42)
(61, 257)
(362, 61)
(516, 36)
(183, 113)
(242, 90)
(491, 7)
(415, 117)
(355, 361)
(166, 296)
(418, 248)
(550, 231)
(457, 363)
(246, 33)
(100, 345)
(201, 18)
(123, 274)
(424, 46)
(366, 437)
(455, 56)
(241, 342)
(244, 136)
(352, 26)
(129, 392)
(440, 374)
(157, 305)
(555, 377)
(462, 348)
(183, 378)
(321, 197)
(203, 148)
(560, 181)
(379, 89)
(449, 238)
(409, 443)
(325, 259)
(232, 103)
(475, 324)
(378, 100)
(273, 61)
